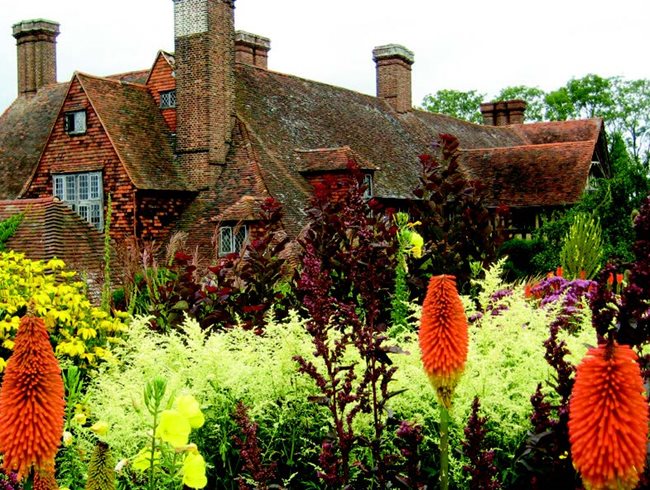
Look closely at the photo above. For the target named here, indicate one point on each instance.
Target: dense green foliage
(614, 202)
(8, 227)
(463, 105)
(581, 251)
(623, 104)
(504, 366)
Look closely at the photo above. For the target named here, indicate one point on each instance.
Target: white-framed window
(168, 99)
(84, 194)
(232, 238)
(367, 182)
(75, 122)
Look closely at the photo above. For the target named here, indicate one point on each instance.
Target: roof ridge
(111, 80)
(530, 145)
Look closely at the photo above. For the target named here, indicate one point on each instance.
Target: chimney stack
(503, 112)
(204, 36)
(394, 75)
(252, 49)
(36, 46)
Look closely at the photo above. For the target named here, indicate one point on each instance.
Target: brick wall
(36, 54)
(158, 212)
(393, 69)
(87, 152)
(204, 83)
(343, 181)
(161, 80)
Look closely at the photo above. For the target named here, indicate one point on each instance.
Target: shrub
(505, 365)
(581, 251)
(80, 332)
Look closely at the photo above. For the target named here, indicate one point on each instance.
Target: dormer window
(75, 122)
(367, 183)
(168, 99)
(83, 193)
(232, 239)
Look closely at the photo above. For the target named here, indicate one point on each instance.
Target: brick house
(199, 140)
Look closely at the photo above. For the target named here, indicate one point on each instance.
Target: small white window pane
(80, 122)
(58, 187)
(83, 187)
(225, 240)
(83, 211)
(70, 188)
(95, 216)
(240, 238)
(94, 186)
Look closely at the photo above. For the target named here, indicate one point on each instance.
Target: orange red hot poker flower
(31, 401)
(608, 419)
(443, 336)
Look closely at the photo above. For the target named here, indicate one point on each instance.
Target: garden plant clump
(326, 369)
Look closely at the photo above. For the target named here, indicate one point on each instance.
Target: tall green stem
(444, 447)
(152, 460)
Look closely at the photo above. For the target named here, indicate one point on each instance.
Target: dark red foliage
(481, 469)
(456, 224)
(409, 438)
(346, 285)
(237, 289)
(250, 452)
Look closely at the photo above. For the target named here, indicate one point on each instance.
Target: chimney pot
(252, 49)
(504, 112)
(393, 63)
(36, 50)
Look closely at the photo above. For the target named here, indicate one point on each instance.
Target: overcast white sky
(459, 44)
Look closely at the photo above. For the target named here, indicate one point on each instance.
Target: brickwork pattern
(394, 83)
(205, 89)
(162, 80)
(158, 213)
(91, 151)
(36, 55)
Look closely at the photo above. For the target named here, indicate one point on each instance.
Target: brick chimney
(394, 75)
(204, 36)
(36, 45)
(252, 49)
(502, 113)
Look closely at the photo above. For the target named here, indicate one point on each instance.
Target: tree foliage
(623, 104)
(463, 105)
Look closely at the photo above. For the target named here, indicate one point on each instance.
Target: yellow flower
(142, 461)
(55, 264)
(189, 408)
(194, 470)
(417, 242)
(174, 428)
(79, 418)
(3, 363)
(67, 438)
(100, 428)
(87, 333)
(8, 344)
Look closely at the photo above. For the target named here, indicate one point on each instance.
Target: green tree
(456, 103)
(534, 97)
(632, 119)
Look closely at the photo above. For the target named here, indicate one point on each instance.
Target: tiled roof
(24, 128)
(247, 208)
(51, 229)
(551, 174)
(138, 132)
(284, 113)
(139, 76)
(560, 131)
(325, 159)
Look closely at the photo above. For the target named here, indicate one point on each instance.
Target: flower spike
(608, 419)
(443, 336)
(31, 401)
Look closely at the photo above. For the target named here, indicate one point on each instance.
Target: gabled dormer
(162, 85)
